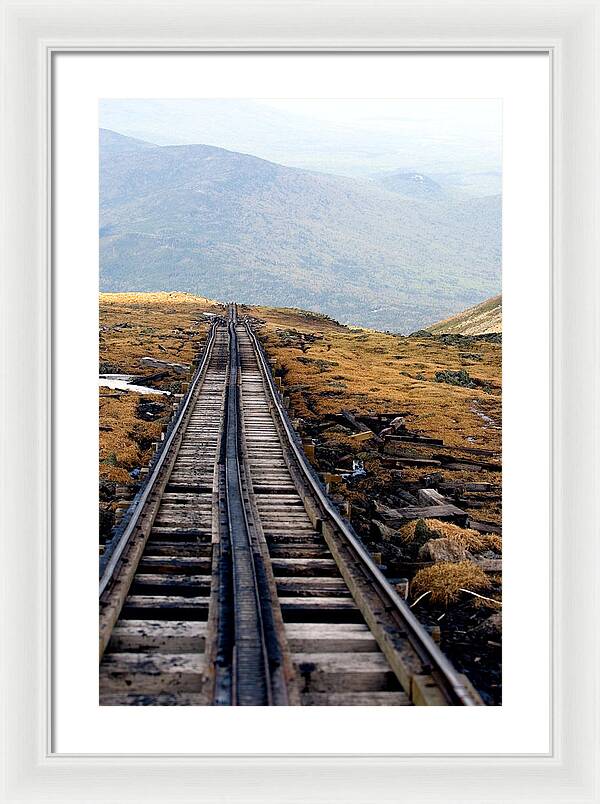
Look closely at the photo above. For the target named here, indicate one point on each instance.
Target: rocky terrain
(405, 432)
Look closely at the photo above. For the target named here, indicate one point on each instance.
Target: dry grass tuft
(425, 529)
(444, 581)
(408, 532)
(467, 538)
(493, 542)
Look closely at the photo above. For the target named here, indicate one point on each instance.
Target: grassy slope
(361, 370)
(479, 320)
(166, 326)
(369, 371)
(372, 372)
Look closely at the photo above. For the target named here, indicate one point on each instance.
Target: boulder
(386, 533)
(443, 550)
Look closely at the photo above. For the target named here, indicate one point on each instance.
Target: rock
(490, 564)
(490, 627)
(431, 497)
(107, 521)
(387, 534)
(108, 368)
(336, 428)
(460, 377)
(442, 550)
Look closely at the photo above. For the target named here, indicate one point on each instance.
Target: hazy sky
(477, 119)
(355, 137)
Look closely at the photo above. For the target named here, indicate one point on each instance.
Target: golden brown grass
(345, 367)
(437, 529)
(444, 581)
(166, 326)
(120, 436)
(493, 541)
(372, 372)
(401, 369)
(482, 318)
(408, 532)
(466, 537)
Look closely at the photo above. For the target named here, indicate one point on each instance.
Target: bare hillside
(483, 319)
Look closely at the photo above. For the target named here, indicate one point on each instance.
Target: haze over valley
(397, 249)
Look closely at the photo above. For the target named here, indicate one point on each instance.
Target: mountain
(470, 183)
(344, 137)
(228, 225)
(482, 319)
(411, 185)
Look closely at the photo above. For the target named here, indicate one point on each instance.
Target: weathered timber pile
(429, 512)
(417, 466)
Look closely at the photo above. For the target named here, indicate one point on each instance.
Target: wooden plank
(330, 638)
(166, 582)
(456, 464)
(294, 535)
(364, 433)
(152, 672)
(367, 435)
(355, 699)
(414, 439)
(425, 692)
(409, 460)
(304, 566)
(317, 587)
(178, 549)
(332, 672)
(484, 527)
(299, 550)
(166, 636)
(174, 564)
(178, 533)
(396, 517)
(158, 699)
(165, 607)
(324, 603)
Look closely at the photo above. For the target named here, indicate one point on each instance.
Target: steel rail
(256, 661)
(420, 639)
(138, 506)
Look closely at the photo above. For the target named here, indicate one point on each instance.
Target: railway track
(234, 580)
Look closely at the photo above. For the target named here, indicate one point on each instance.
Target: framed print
(300, 320)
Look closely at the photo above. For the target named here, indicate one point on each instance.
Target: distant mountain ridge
(411, 185)
(483, 319)
(227, 225)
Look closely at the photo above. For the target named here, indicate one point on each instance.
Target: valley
(391, 253)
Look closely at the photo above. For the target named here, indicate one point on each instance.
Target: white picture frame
(32, 33)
